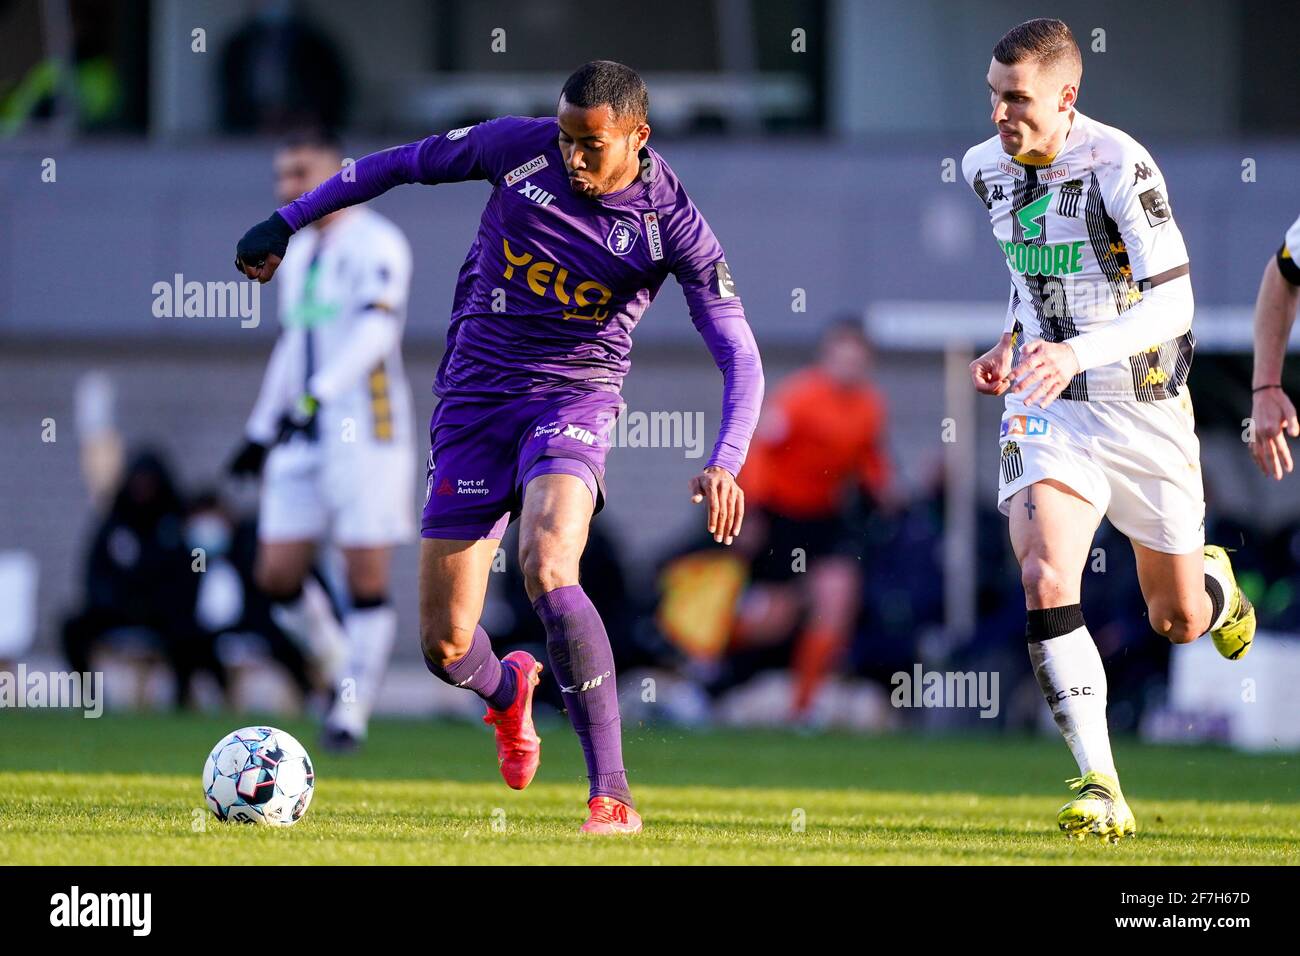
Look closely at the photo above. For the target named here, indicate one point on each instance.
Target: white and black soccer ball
(259, 775)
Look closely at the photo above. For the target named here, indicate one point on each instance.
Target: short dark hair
(607, 83)
(1045, 41)
(312, 137)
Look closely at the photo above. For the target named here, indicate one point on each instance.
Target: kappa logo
(536, 193)
(536, 164)
(997, 195)
(586, 685)
(1141, 171)
(621, 238)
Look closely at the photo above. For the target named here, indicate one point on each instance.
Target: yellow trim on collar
(1026, 160)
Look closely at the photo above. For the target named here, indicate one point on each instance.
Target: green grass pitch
(126, 790)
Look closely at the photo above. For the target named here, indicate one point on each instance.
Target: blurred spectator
(817, 469)
(278, 71)
(230, 608)
(139, 582)
(89, 65)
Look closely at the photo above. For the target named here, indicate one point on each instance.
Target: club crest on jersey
(621, 238)
(653, 236)
(1068, 204)
(536, 164)
(1013, 464)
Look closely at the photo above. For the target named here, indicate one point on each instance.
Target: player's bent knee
(543, 572)
(1043, 582)
(443, 643)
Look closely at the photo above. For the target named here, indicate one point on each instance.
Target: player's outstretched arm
(1273, 414)
(454, 157)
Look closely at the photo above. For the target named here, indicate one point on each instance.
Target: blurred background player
(584, 224)
(333, 427)
(1275, 307)
(822, 436)
(1079, 210)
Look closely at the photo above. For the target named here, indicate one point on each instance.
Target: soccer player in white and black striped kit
(1093, 360)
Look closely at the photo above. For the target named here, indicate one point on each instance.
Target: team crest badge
(1013, 464)
(621, 238)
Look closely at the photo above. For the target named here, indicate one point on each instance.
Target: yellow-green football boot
(1234, 638)
(1099, 809)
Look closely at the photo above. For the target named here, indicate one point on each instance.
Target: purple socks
(481, 671)
(584, 666)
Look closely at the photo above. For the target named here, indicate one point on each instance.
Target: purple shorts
(482, 454)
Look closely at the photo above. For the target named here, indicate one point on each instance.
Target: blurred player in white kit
(331, 435)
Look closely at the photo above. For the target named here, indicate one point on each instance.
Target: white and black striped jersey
(329, 282)
(1079, 232)
(1288, 257)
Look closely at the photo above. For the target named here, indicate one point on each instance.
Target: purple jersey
(554, 282)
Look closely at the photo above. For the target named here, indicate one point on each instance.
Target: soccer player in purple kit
(584, 224)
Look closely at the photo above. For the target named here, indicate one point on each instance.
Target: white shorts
(362, 496)
(1137, 463)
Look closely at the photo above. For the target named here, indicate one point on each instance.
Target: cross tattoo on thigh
(1029, 502)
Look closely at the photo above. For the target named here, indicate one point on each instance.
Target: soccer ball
(258, 775)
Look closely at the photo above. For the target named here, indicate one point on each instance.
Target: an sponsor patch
(1156, 207)
(527, 169)
(726, 285)
(1011, 169)
(621, 238)
(652, 235)
(1025, 427)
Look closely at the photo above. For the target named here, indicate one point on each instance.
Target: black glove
(300, 418)
(269, 237)
(248, 461)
